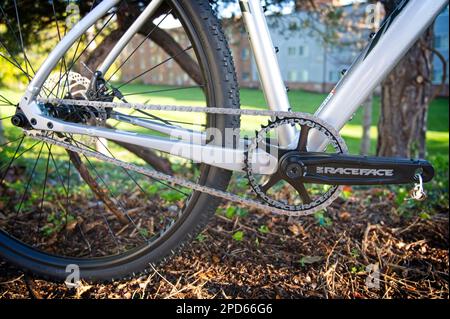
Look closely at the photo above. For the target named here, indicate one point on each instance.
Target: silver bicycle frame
(392, 41)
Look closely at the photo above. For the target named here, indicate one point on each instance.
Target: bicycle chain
(180, 181)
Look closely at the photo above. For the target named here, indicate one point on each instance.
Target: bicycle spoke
(63, 62)
(29, 181)
(138, 46)
(114, 196)
(72, 64)
(13, 141)
(14, 63)
(7, 117)
(21, 39)
(110, 231)
(155, 67)
(44, 187)
(154, 179)
(5, 100)
(12, 159)
(69, 166)
(57, 172)
(22, 153)
(165, 90)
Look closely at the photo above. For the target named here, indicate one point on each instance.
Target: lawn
(438, 118)
(301, 101)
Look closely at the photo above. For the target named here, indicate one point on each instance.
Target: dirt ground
(332, 256)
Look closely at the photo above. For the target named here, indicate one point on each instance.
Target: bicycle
(65, 133)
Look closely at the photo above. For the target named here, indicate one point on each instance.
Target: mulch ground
(334, 257)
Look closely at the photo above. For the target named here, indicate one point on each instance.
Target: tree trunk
(405, 97)
(366, 125)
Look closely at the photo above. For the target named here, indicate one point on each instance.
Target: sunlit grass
(437, 136)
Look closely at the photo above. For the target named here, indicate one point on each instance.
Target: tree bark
(405, 97)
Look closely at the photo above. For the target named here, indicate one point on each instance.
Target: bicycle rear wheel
(61, 208)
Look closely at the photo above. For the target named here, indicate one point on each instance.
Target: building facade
(306, 60)
(441, 45)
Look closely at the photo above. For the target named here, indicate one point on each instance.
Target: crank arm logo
(348, 171)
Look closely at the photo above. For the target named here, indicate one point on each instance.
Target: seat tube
(272, 83)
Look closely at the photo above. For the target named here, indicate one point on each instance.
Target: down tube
(396, 36)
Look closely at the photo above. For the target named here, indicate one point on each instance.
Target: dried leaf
(294, 229)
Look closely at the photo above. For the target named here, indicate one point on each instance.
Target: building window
(245, 76)
(291, 51)
(293, 26)
(142, 64)
(305, 76)
(245, 54)
(292, 76)
(303, 51)
(333, 76)
(441, 42)
(437, 76)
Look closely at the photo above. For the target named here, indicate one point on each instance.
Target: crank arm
(339, 169)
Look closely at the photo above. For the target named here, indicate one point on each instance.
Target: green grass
(301, 101)
(438, 117)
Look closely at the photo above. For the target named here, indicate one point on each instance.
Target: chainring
(316, 204)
